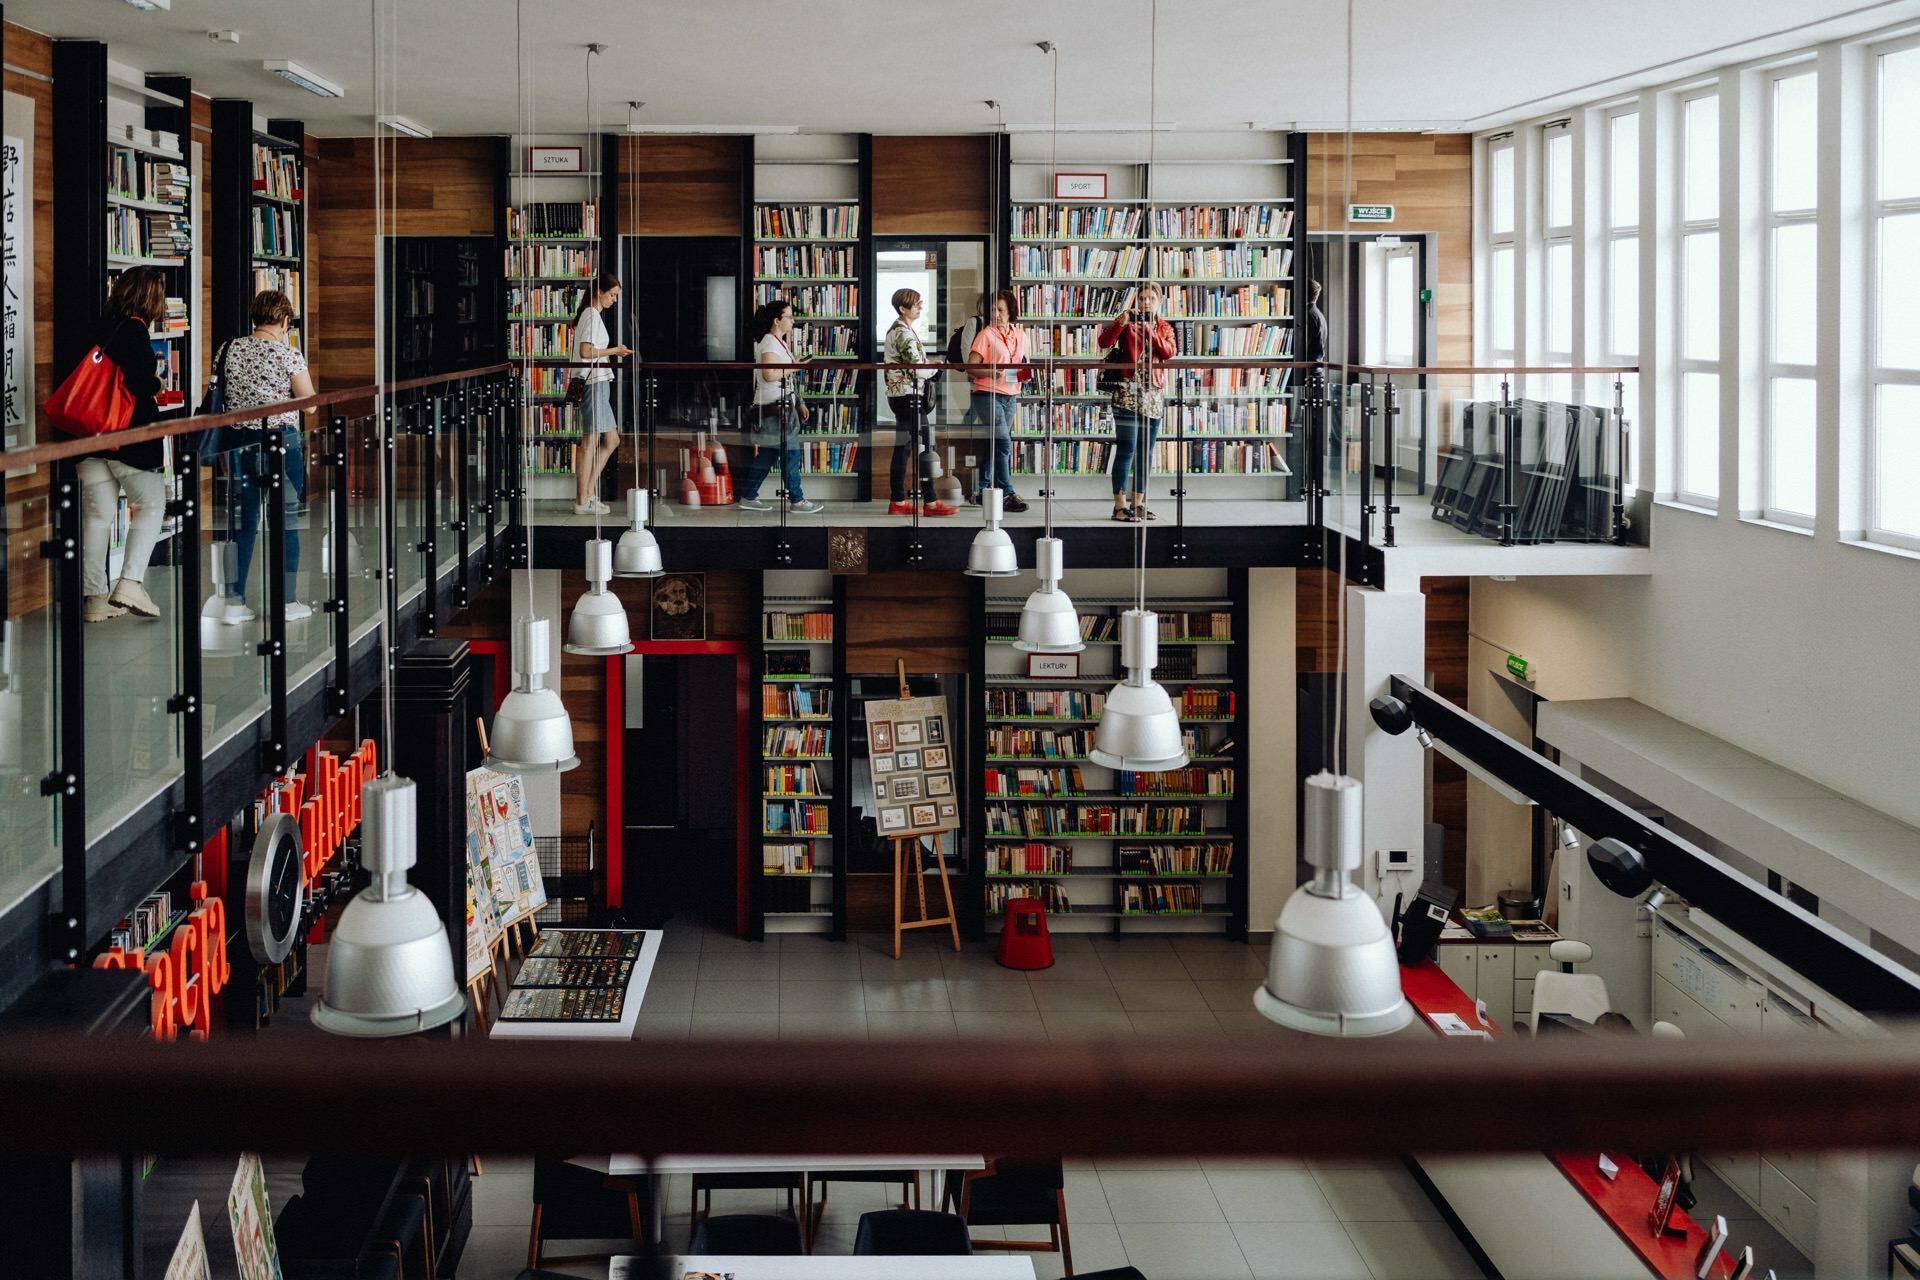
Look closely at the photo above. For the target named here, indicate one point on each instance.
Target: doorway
(680, 783)
(1377, 298)
(950, 274)
(682, 305)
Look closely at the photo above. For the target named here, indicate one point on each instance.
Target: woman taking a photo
(777, 410)
(996, 392)
(261, 369)
(907, 397)
(599, 433)
(1135, 335)
(137, 302)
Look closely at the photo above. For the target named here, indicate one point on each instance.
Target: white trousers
(101, 480)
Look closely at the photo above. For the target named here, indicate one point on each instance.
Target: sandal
(1144, 513)
(1125, 515)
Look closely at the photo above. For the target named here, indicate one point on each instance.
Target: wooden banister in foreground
(1134, 1097)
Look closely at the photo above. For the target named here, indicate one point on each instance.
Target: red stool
(1024, 941)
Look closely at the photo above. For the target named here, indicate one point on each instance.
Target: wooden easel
(900, 843)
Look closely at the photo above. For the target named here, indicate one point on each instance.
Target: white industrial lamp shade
(1048, 621)
(389, 964)
(1139, 729)
(637, 554)
(991, 555)
(1333, 970)
(531, 731)
(598, 627)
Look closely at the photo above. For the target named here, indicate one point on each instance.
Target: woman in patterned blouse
(907, 397)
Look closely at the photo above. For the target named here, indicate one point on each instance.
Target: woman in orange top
(996, 392)
(1138, 334)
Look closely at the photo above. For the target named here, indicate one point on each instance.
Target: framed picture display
(893, 820)
(935, 758)
(1662, 1210)
(910, 766)
(882, 765)
(925, 816)
(880, 790)
(879, 736)
(908, 733)
(680, 607)
(936, 730)
(907, 788)
(950, 812)
(908, 761)
(939, 784)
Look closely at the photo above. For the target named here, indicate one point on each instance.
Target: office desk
(979, 1267)
(1552, 1213)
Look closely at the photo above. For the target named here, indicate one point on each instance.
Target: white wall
(1272, 750)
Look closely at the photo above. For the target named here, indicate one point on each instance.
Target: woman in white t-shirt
(264, 368)
(599, 433)
(777, 410)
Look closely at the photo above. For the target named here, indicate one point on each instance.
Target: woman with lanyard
(599, 432)
(907, 397)
(771, 421)
(996, 391)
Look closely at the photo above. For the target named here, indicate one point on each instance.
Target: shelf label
(1369, 213)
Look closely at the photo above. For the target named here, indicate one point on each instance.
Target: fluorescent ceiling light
(722, 129)
(148, 6)
(301, 76)
(405, 127)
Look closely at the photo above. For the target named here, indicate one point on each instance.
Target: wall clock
(276, 890)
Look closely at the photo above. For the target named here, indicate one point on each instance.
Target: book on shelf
(822, 339)
(550, 420)
(285, 279)
(1206, 858)
(545, 301)
(1208, 704)
(1059, 744)
(828, 459)
(136, 177)
(1195, 624)
(276, 231)
(1159, 898)
(540, 339)
(787, 859)
(835, 221)
(831, 382)
(1220, 458)
(1035, 782)
(790, 741)
(1033, 858)
(1052, 896)
(1132, 261)
(789, 663)
(810, 300)
(544, 218)
(799, 817)
(792, 780)
(1176, 782)
(833, 418)
(795, 702)
(1045, 704)
(804, 261)
(549, 260)
(141, 925)
(816, 625)
(1040, 820)
(550, 457)
(1095, 304)
(276, 173)
(1221, 222)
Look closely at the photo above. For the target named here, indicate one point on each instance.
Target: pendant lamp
(991, 555)
(637, 554)
(1333, 969)
(389, 964)
(1139, 729)
(1048, 621)
(531, 731)
(598, 627)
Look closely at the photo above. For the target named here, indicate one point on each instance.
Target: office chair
(748, 1234)
(1577, 995)
(1012, 1192)
(911, 1232)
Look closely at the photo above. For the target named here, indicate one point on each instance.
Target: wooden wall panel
(1316, 602)
(674, 186)
(1428, 178)
(1447, 624)
(28, 587)
(921, 617)
(437, 187)
(940, 185)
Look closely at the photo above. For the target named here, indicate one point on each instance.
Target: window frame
(1612, 237)
(1772, 222)
(1876, 213)
(1556, 238)
(1685, 230)
(1509, 241)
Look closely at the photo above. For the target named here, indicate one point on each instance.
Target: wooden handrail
(1125, 1097)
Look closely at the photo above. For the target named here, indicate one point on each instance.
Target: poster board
(252, 1220)
(500, 851)
(16, 278)
(911, 766)
(189, 1261)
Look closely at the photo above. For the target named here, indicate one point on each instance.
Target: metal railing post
(1620, 462)
(1510, 443)
(1317, 447)
(1179, 549)
(1388, 509)
(67, 781)
(463, 494)
(340, 503)
(190, 700)
(425, 420)
(389, 575)
(1368, 415)
(274, 648)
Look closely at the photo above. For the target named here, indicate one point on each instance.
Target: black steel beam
(231, 167)
(1856, 974)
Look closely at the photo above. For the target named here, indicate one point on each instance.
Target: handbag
(1113, 374)
(213, 440)
(93, 400)
(576, 390)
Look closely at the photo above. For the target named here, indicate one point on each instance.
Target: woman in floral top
(907, 397)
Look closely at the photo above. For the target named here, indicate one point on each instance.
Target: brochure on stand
(583, 984)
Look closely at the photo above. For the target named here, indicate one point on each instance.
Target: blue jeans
(997, 411)
(1132, 456)
(765, 438)
(247, 489)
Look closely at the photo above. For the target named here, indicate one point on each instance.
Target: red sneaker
(939, 509)
(899, 508)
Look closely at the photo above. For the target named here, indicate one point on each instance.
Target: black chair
(744, 1234)
(314, 1246)
(1117, 1273)
(575, 1203)
(357, 1216)
(908, 1180)
(1009, 1193)
(705, 1184)
(552, 1275)
(899, 1232)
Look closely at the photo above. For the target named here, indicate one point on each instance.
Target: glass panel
(1896, 461)
(29, 692)
(1702, 160)
(1700, 435)
(1899, 317)
(1899, 120)
(233, 577)
(1500, 190)
(1623, 327)
(1559, 297)
(1790, 465)
(1559, 184)
(1795, 143)
(1623, 171)
(1500, 289)
(309, 549)
(1403, 304)
(1793, 293)
(1700, 297)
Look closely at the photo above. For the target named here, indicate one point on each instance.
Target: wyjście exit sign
(1369, 213)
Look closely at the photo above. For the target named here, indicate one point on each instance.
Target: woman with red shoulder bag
(1139, 339)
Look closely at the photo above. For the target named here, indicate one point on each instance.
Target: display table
(622, 1029)
(1551, 1214)
(979, 1267)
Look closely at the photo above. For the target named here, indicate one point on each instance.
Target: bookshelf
(811, 245)
(799, 807)
(1214, 219)
(1106, 850)
(277, 218)
(442, 307)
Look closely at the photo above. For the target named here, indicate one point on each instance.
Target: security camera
(1621, 868)
(1391, 714)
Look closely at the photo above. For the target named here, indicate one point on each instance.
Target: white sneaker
(102, 609)
(238, 613)
(583, 508)
(133, 597)
(805, 507)
(297, 612)
(752, 504)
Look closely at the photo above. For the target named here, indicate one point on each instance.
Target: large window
(1556, 257)
(1620, 306)
(1893, 444)
(1697, 459)
(1502, 342)
(1792, 204)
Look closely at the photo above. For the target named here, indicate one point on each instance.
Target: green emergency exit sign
(1518, 666)
(1369, 213)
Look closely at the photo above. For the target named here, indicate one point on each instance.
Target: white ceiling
(907, 66)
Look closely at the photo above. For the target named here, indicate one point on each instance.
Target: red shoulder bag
(94, 400)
